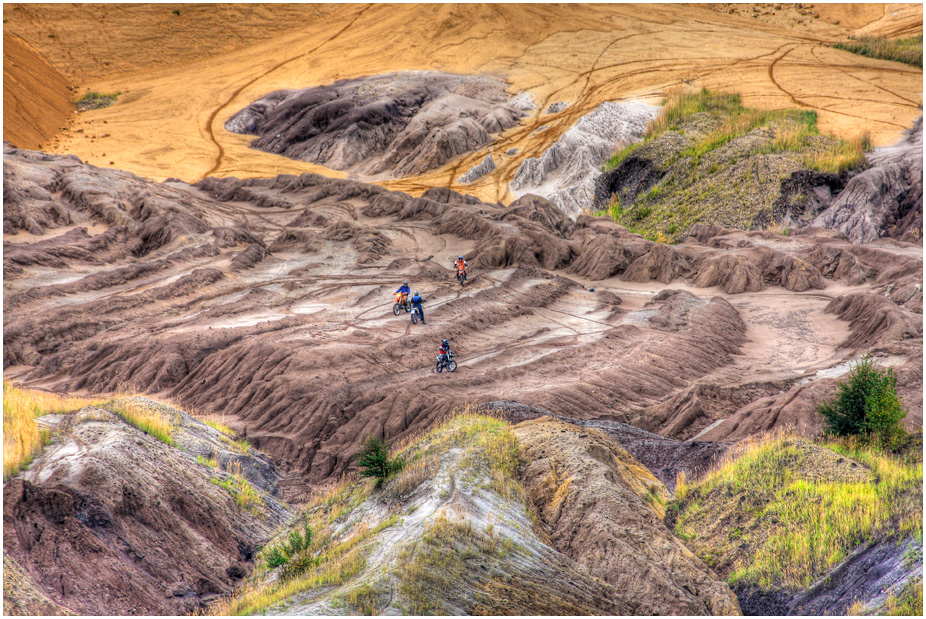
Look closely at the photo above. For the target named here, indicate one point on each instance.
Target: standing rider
(416, 302)
(403, 290)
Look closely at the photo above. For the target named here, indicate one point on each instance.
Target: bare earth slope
(36, 97)
(580, 55)
(269, 300)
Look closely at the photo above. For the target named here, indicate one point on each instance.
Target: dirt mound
(663, 457)
(401, 124)
(887, 198)
(109, 520)
(566, 172)
(36, 97)
(874, 320)
(603, 509)
(479, 170)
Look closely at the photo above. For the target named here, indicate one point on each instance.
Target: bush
(280, 555)
(867, 405)
(373, 459)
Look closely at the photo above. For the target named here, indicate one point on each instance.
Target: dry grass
(796, 521)
(245, 495)
(439, 566)
(22, 439)
(143, 417)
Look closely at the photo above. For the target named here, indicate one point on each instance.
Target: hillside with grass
(797, 526)
(457, 530)
(126, 506)
(907, 50)
(708, 159)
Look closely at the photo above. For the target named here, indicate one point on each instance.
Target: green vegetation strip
(908, 51)
(93, 100)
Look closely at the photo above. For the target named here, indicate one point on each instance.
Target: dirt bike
(416, 315)
(401, 302)
(461, 276)
(450, 364)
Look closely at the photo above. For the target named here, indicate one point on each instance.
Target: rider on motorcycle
(403, 290)
(460, 264)
(444, 351)
(416, 303)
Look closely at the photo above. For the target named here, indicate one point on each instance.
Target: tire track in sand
(215, 112)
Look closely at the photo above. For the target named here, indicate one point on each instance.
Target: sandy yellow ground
(187, 77)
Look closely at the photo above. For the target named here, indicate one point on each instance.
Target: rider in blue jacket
(416, 302)
(404, 290)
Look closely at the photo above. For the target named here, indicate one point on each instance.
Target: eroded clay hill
(270, 300)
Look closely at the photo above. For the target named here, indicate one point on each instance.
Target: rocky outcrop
(478, 171)
(400, 124)
(566, 172)
(887, 198)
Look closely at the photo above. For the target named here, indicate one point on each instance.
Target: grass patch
(908, 51)
(488, 443)
(331, 557)
(215, 425)
(708, 158)
(93, 100)
(22, 439)
(212, 463)
(782, 512)
(245, 495)
(442, 561)
(142, 417)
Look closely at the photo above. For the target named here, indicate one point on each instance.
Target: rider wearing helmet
(416, 302)
(460, 264)
(403, 290)
(444, 351)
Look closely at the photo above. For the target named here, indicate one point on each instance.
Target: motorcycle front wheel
(396, 309)
(452, 366)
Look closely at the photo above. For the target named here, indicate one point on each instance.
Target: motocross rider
(444, 351)
(403, 290)
(416, 303)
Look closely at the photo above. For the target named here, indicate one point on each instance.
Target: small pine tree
(867, 405)
(373, 459)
